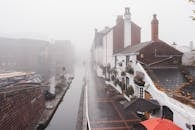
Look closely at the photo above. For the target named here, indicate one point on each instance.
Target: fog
(75, 20)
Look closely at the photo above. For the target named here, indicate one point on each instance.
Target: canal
(65, 117)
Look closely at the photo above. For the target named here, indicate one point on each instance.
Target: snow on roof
(13, 74)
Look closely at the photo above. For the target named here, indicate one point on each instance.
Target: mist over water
(46, 36)
(65, 117)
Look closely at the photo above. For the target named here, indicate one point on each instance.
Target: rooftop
(136, 48)
(133, 49)
(13, 74)
(176, 82)
(168, 78)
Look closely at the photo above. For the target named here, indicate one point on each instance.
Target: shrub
(113, 78)
(120, 64)
(129, 70)
(116, 81)
(130, 90)
(120, 83)
(115, 72)
(138, 81)
(123, 73)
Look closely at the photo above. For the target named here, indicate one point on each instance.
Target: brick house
(111, 40)
(155, 53)
(162, 79)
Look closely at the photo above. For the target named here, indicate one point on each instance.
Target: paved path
(104, 112)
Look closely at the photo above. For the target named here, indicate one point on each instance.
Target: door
(167, 113)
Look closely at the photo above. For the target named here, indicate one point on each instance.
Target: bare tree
(193, 2)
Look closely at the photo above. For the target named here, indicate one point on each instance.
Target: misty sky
(75, 20)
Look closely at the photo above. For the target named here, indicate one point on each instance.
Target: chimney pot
(96, 30)
(127, 14)
(154, 16)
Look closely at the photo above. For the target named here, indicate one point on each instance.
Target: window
(127, 81)
(142, 55)
(115, 60)
(127, 60)
(141, 92)
(167, 113)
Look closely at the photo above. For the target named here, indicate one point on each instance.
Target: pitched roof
(142, 105)
(133, 49)
(136, 48)
(135, 25)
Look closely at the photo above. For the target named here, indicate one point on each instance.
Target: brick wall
(20, 107)
(118, 37)
(135, 34)
(163, 51)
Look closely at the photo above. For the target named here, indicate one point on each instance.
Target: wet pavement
(65, 117)
(104, 112)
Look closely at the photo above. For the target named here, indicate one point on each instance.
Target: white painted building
(108, 48)
(111, 40)
(183, 115)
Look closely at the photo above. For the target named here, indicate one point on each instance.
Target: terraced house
(152, 72)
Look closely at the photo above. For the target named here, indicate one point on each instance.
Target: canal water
(65, 117)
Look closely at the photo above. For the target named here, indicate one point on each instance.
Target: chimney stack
(95, 30)
(119, 19)
(154, 28)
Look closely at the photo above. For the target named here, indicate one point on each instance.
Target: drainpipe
(106, 57)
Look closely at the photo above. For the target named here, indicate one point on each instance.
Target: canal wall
(20, 107)
(48, 113)
(81, 111)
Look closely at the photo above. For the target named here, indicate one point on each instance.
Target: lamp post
(106, 57)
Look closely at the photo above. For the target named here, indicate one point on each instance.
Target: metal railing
(87, 110)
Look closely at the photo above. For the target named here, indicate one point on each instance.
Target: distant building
(61, 54)
(22, 54)
(35, 55)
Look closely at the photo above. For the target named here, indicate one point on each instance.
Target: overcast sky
(75, 20)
